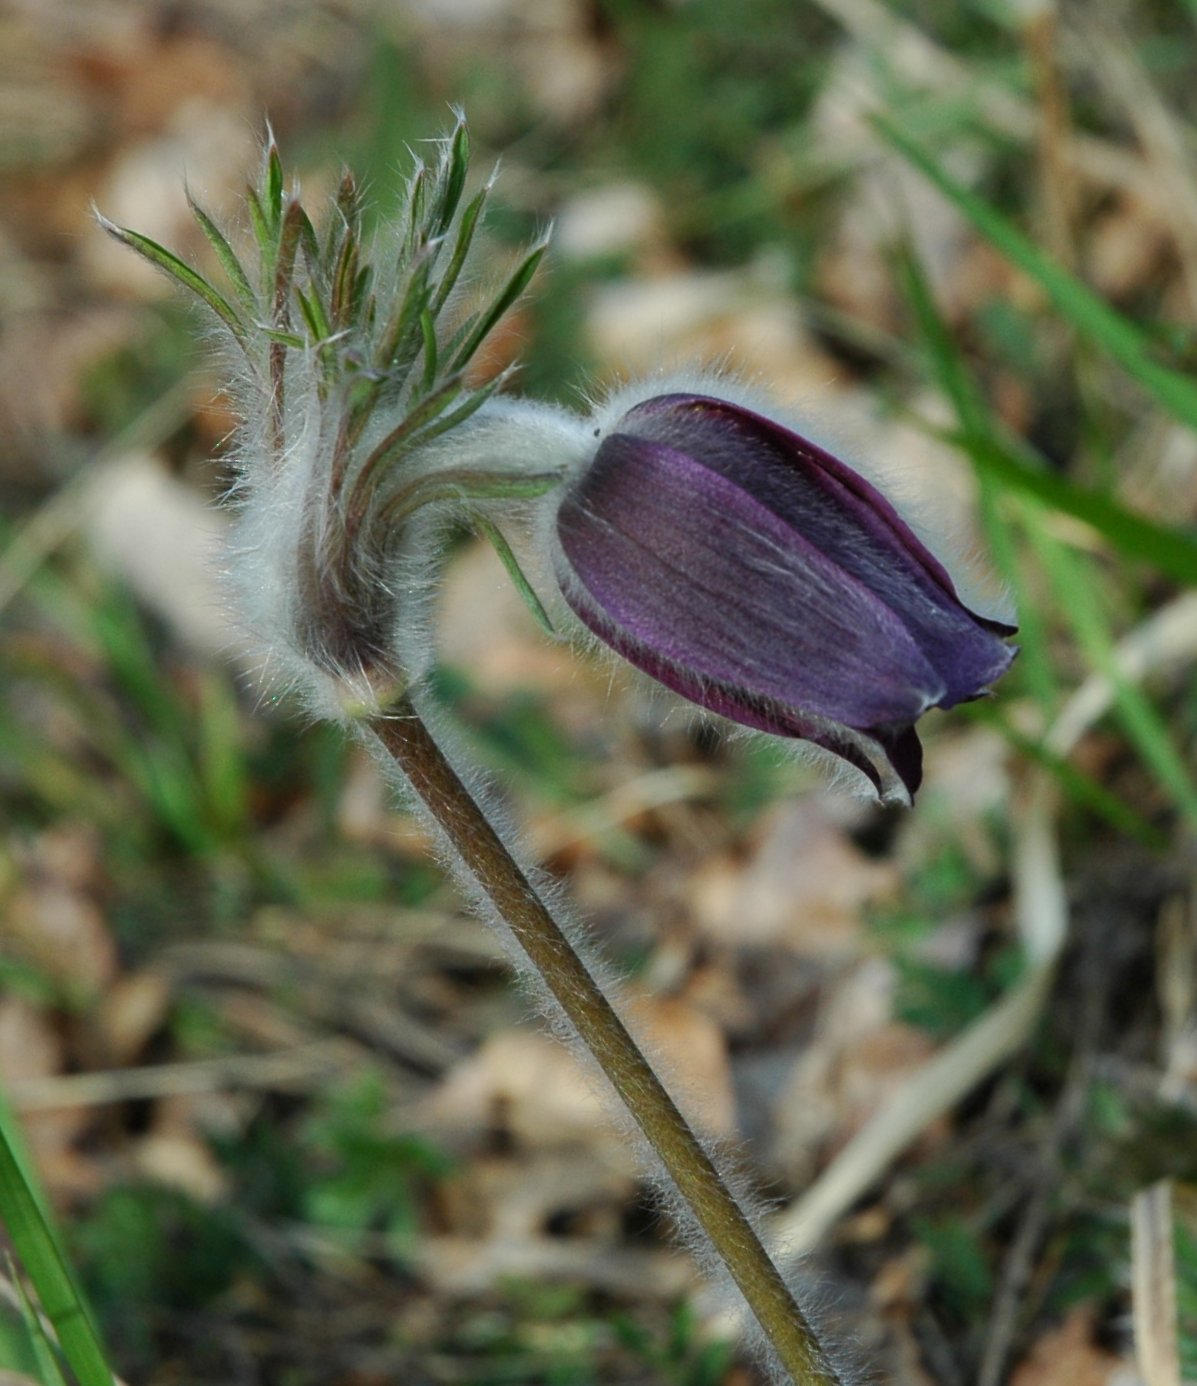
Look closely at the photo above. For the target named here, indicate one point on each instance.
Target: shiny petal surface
(843, 516)
(694, 570)
(755, 574)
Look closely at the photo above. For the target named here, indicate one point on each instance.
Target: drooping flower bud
(749, 570)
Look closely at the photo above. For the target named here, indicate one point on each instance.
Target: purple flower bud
(747, 569)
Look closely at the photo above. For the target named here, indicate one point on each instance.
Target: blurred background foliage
(295, 1123)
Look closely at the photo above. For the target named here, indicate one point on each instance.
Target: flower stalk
(402, 732)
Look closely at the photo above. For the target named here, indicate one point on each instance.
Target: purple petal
(707, 588)
(902, 749)
(844, 518)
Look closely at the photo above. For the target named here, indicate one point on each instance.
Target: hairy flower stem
(403, 733)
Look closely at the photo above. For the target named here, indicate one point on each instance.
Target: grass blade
(1121, 338)
(957, 384)
(1142, 722)
(1171, 551)
(1012, 466)
(38, 1251)
(1081, 788)
(48, 1371)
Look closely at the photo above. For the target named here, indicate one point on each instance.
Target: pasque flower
(726, 556)
(748, 569)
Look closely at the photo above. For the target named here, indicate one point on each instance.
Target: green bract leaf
(515, 286)
(428, 332)
(400, 439)
(179, 271)
(274, 185)
(225, 254)
(313, 314)
(461, 249)
(263, 233)
(287, 339)
(515, 572)
(457, 164)
(462, 484)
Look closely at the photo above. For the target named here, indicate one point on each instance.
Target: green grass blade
(38, 1251)
(1034, 660)
(1124, 341)
(1081, 788)
(946, 360)
(48, 1370)
(957, 384)
(1143, 724)
(1170, 550)
(220, 758)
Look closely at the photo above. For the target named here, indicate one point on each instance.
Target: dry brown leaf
(204, 147)
(1127, 244)
(1068, 1355)
(166, 543)
(689, 1048)
(547, 47)
(180, 1160)
(30, 1048)
(612, 219)
(528, 1087)
(129, 1013)
(51, 919)
(644, 325)
(803, 887)
(858, 1056)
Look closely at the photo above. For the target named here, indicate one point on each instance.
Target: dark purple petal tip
(746, 568)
